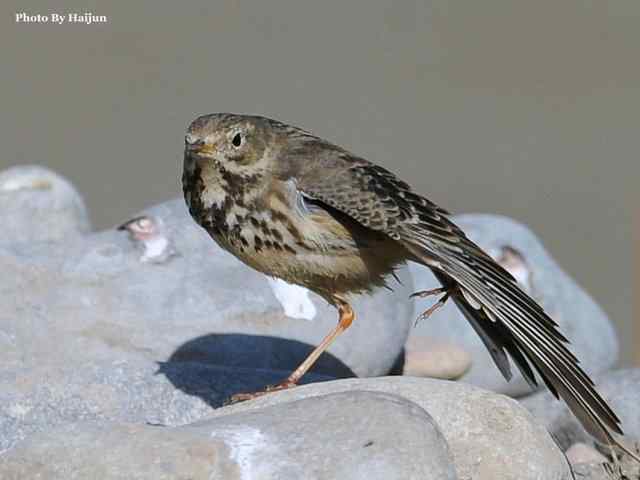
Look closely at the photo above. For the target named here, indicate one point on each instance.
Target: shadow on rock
(398, 365)
(220, 365)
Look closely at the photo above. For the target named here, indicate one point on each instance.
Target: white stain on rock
(249, 448)
(293, 298)
(155, 248)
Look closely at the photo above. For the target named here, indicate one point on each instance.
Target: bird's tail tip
(628, 447)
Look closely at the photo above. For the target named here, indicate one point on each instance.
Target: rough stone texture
(327, 437)
(491, 436)
(91, 333)
(88, 331)
(92, 299)
(627, 469)
(592, 471)
(425, 357)
(38, 205)
(620, 389)
(129, 389)
(583, 453)
(580, 318)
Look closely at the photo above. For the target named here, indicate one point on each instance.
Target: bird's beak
(198, 149)
(198, 146)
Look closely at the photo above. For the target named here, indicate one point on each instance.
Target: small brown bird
(297, 207)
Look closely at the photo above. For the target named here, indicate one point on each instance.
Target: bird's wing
(504, 316)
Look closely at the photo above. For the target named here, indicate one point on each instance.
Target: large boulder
(95, 298)
(491, 436)
(327, 437)
(125, 389)
(38, 205)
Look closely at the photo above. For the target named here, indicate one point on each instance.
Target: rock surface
(128, 389)
(425, 357)
(619, 388)
(517, 248)
(103, 337)
(96, 328)
(583, 453)
(38, 205)
(92, 298)
(627, 469)
(395, 439)
(491, 436)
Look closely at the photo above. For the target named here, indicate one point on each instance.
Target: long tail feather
(510, 321)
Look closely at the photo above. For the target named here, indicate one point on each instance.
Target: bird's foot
(440, 303)
(243, 397)
(428, 293)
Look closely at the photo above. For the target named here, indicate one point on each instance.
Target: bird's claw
(243, 397)
(439, 304)
(428, 293)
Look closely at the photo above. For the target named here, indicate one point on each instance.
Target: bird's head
(239, 144)
(230, 154)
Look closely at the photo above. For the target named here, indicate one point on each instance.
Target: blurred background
(527, 109)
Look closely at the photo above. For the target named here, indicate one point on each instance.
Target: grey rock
(38, 205)
(620, 389)
(581, 320)
(583, 453)
(591, 472)
(128, 389)
(627, 469)
(92, 298)
(491, 436)
(149, 235)
(351, 435)
(425, 357)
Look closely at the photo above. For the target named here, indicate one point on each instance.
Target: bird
(149, 236)
(297, 207)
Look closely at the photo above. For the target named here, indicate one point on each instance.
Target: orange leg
(346, 319)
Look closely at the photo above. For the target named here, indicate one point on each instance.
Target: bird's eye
(236, 141)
